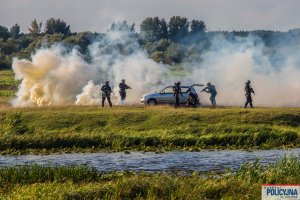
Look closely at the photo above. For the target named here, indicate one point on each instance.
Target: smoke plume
(59, 76)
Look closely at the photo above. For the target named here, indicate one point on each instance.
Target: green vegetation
(82, 182)
(8, 86)
(90, 128)
(172, 41)
(7, 79)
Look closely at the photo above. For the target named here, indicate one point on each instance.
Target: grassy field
(8, 87)
(76, 128)
(89, 128)
(82, 182)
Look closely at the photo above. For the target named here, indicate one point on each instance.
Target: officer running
(122, 90)
(248, 89)
(106, 91)
(213, 93)
(176, 92)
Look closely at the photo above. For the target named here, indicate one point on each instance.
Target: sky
(97, 15)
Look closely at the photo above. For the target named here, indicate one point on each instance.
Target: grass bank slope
(76, 128)
(82, 182)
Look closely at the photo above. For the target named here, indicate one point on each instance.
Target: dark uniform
(213, 93)
(192, 100)
(176, 92)
(248, 89)
(106, 91)
(123, 87)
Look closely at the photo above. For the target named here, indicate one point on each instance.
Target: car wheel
(152, 102)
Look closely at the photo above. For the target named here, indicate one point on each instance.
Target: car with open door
(166, 96)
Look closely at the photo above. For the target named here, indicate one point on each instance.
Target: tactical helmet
(208, 83)
(248, 82)
(106, 82)
(123, 80)
(178, 83)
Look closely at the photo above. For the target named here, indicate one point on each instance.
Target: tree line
(169, 42)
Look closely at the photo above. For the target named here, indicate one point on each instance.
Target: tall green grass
(7, 78)
(27, 174)
(81, 182)
(140, 128)
(8, 85)
(7, 93)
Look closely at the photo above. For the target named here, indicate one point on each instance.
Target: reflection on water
(152, 162)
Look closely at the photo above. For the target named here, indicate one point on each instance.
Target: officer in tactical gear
(106, 91)
(192, 99)
(213, 93)
(122, 90)
(176, 92)
(248, 89)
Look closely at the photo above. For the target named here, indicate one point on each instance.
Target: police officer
(106, 91)
(122, 90)
(248, 90)
(192, 99)
(213, 93)
(176, 92)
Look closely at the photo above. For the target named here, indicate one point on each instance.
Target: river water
(152, 162)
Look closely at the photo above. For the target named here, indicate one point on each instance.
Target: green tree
(198, 26)
(178, 27)
(153, 29)
(15, 31)
(8, 47)
(4, 33)
(158, 56)
(36, 28)
(122, 26)
(174, 54)
(57, 26)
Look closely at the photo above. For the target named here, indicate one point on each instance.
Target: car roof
(180, 86)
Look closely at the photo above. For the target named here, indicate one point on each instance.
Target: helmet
(123, 80)
(106, 82)
(178, 83)
(248, 82)
(208, 83)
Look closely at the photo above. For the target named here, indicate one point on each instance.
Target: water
(151, 162)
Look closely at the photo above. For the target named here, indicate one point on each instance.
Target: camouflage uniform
(192, 100)
(213, 93)
(106, 91)
(123, 87)
(248, 89)
(176, 92)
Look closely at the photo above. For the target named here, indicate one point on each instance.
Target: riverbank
(83, 182)
(92, 129)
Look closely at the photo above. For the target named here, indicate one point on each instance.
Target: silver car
(166, 96)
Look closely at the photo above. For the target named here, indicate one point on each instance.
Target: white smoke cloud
(53, 77)
(90, 95)
(58, 77)
(230, 64)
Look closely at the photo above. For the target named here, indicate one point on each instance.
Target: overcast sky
(97, 15)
